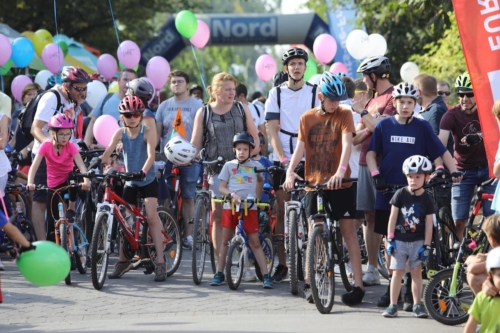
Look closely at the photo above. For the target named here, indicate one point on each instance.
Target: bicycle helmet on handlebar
(179, 151)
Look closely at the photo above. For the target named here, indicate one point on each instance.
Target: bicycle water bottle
(61, 209)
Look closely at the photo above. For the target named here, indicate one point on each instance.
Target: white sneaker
(248, 275)
(348, 269)
(371, 277)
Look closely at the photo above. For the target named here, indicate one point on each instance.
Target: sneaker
(371, 277)
(336, 269)
(248, 275)
(385, 299)
(267, 283)
(161, 272)
(187, 243)
(391, 311)
(218, 279)
(408, 304)
(308, 293)
(70, 215)
(120, 269)
(355, 296)
(280, 274)
(419, 311)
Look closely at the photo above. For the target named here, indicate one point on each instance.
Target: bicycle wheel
(81, 251)
(86, 216)
(293, 255)
(362, 246)
(268, 249)
(63, 234)
(339, 259)
(172, 250)
(99, 258)
(320, 271)
(443, 307)
(234, 264)
(199, 251)
(28, 230)
(382, 265)
(24, 204)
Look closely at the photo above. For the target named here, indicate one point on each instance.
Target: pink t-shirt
(58, 167)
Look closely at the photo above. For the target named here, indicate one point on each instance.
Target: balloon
(18, 85)
(6, 48)
(104, 128)
(129, 54)
(6, 67)
(22, 52)
(42, 77)
(265, 67)
(315, 79)
(202, 35)
(157, 71)
(324, 48)
(339, 67)
(311, 70)
(64, 47)
(113, 87)
(53, 57)
(409, 71)
(47, 265)
(95, 90)
(377, 45)
(107, 66)
(357, 43)
(123, 67)
(40, 39)
(186, 23)
(29, 35)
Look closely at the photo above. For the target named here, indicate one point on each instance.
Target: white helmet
(405, 89)
(417, 164)
(493, 260)
(179, 151)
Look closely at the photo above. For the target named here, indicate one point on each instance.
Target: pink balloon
(104, 128)
(324, 48)
(202, 35)
(265, 66)
(53, 57)
(157, 71)
(6, 48)
(107, 66)
(339, 67)
(129, 54)
(18, 85)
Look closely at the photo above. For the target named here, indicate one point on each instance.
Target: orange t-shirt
(322, 135)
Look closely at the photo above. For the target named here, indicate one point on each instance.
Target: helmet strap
(415, 190)
(70, 99)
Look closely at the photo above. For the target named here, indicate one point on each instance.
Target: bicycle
(239, 252)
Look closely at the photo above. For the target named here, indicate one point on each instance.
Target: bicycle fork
(296, 205)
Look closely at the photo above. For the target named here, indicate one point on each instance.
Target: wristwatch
(364, 113)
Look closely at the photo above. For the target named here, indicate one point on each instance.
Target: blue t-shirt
(3, 219)
(265, 164)
(110, 107)
(395, 142)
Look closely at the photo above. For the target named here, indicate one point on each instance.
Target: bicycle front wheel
(293, 255)
(199, 251)
(63, 234)
(320, 271)
(268, 249)
(234, 264)
(99, 258)
(173, 250)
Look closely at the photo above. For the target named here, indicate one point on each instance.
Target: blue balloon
(22, 52)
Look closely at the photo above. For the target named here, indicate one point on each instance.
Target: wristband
(390, 235)
(367, 132)
(284, 160)
(439, 167)
(375, 172)
(144, 172)
(343, 167)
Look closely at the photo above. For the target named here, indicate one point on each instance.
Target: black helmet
(73, 74)
(279, 78)
(195, 87)
(142, 88)
(261, 139)
(295, 52)
(243, 137)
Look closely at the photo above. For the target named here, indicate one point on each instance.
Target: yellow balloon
(29, 35)
(40, 39)
(113, 87)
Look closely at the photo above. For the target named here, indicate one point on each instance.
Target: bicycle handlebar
(243, 204)
(219, 160)
(270, 169)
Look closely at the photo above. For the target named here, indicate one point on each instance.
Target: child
(486, 309)
(410, 232)
(239, 180)
(265, 163)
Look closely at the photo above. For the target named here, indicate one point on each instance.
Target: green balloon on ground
(186, 23)
(64, 47)
(47, 265)
(6, 67)
(123, 67)
(311, 70)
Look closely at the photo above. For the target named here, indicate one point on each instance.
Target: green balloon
(64, 47)
(5, 68)
(311, 70)
(47, 265)
(123, 67)
(186, 23)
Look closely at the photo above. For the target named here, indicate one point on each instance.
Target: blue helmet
(332, 87)
(53, 80)
(340, 74)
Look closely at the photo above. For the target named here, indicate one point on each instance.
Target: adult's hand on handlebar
(335, 181)
(457, 177)
(30, 187)
(85, 185)
(289, 183)
(439, 173)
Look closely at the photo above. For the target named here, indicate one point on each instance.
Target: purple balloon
(6, 50)
(157, 71)
(53, 57)
(107, 66)
(265, 66)
(18, 85)
(129, 54)
(325, 48)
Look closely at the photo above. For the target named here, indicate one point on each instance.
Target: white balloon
(409, 71)
(377, 45)
(95, 90)
(315, 79)
(42, 77)
(357, 43)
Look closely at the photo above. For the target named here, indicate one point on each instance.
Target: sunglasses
(469, 95)
(441, 93)
(129, 115)
(79, 89)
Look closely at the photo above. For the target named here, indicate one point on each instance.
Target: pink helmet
(131, 104)
(61, 121)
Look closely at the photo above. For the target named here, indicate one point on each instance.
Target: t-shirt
(3, 219)
(241, 178)
(5, 166)
(322, 135)
(460, 124)
(294, 103)
(265, 163)
(433, 113)
(396, 142)
(259, 118)
(110, 107)
(58, 167)
(486, 311)
(413, 210)
(168, 110)
(378, 105)
(355, 150)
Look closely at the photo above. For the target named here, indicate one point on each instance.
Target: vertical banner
(479, 28)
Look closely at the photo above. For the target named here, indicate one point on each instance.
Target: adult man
(72, 93)
(108, 104)
(443, 89)
(179, 82)
(196, 91)
(285, 105)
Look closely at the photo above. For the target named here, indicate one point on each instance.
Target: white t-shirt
(4, 160)
(293, 105)
(259, 118)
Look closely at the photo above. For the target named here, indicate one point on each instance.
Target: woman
(215, 132)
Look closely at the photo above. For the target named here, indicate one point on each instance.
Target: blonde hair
(217, 83)
(496, 109)
(492, 227)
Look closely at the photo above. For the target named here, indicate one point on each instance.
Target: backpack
(27, 116)
(256, 109)
(206, 119)
(108, 96)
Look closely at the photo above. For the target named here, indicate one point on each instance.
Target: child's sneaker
(267, 282)
(120, 269)
(248, 275)
(391, 311)
(419, 311)
(218, 279)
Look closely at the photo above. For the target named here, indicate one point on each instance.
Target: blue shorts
(188, 178)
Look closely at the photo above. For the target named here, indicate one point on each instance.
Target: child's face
(62, 136)
(242, 151)
(495, 276)
(405, 106)
(416, 181)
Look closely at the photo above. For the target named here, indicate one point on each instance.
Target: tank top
(135, 154)
(4, 160)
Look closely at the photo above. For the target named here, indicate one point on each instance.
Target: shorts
(130, 193)
(250, 222)
(406, 251)
(214, 183)
(381, 221)
(341, 202)
(360, 214)
(365, 199)
(41, 179)
(278, 177)
(188, 178)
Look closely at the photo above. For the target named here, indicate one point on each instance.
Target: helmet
(60, 121)
(261, 139)
(340, 74)
(142, 88)
(332, 87)
(417, 164)
(194, 87)
(53, 80)
(131, 104)
(179, 151)
(377, 65)
(243, 137)
(463, 82)
(294, 53)
(74, 75)
(280, 78)
(493, 259)
(405, 89)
